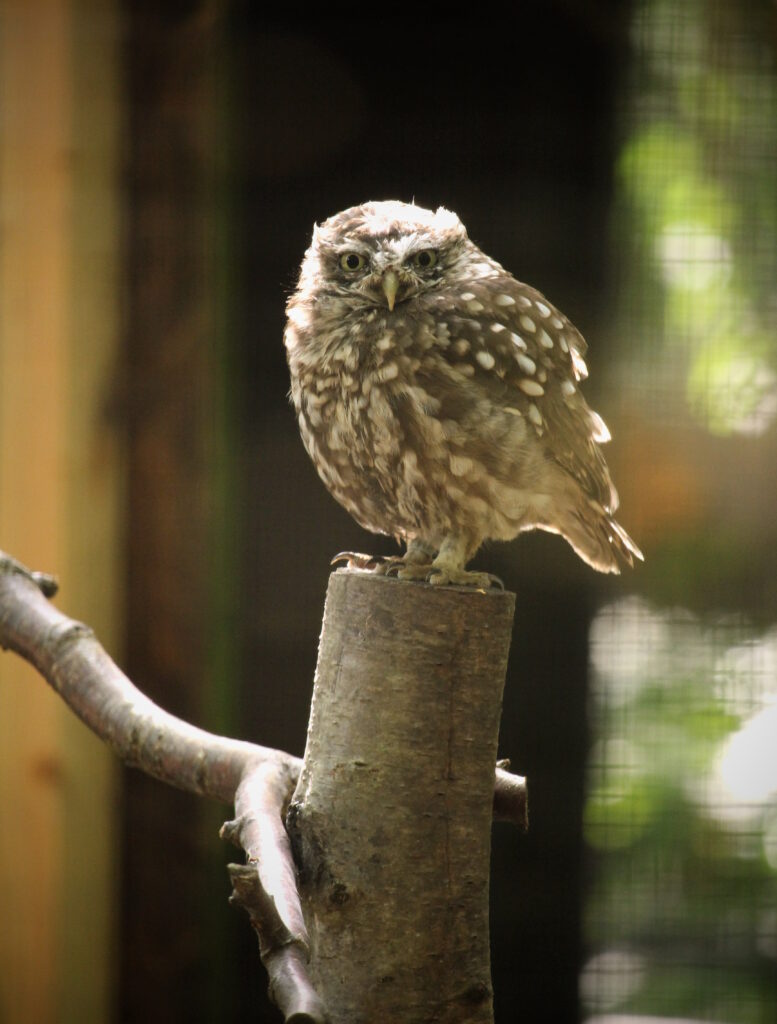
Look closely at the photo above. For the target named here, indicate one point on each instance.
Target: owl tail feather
(599, 540)
(623, 544)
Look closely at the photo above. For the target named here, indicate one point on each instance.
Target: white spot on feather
(526, 364)
(601, 432)
(534, 414)
(567, 388)
(531, 387)
(528, 324)
(497, 328)
(460, 465)
(545, 339)
(578, 363)
(543, 309)
(388, 372)
(467, 296)
(517, 340)
(486, 360)
(443, 334)
(504, 300)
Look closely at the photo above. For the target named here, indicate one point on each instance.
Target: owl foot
(418, 571)
(440, 576)
(379, 564)
(446, 577)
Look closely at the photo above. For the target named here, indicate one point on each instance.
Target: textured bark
(391, 818)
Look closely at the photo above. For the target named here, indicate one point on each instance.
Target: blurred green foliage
(681, 814)
(698, 207)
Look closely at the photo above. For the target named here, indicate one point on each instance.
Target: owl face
(382, 254)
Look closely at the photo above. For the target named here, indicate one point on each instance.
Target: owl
(439, 398)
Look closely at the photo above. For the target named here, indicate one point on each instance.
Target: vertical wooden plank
(94, 504)
(34, 181)
(58, 493)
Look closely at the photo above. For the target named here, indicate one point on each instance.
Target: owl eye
(425, 259)
(352, 261)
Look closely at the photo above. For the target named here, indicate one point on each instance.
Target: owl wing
(529, 357)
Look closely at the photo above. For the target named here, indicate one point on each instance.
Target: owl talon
(381, 565)
(356, 560)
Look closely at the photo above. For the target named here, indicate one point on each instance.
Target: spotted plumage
(439, 398)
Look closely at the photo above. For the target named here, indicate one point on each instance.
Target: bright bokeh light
(733, 390)
(692, 257)
(744, 778)
(633, 645)
(611, 977)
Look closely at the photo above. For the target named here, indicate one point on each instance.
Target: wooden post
(391, 819)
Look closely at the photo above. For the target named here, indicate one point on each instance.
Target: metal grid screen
(681, 810)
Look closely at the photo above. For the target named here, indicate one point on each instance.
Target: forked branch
(259, 780)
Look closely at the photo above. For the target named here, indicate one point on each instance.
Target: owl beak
(390, 285)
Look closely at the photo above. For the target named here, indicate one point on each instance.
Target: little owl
(439, 398)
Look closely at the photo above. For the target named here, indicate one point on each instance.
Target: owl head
(383, 253)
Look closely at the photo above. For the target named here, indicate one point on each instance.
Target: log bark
(390, 821)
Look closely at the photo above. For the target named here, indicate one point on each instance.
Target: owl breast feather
(407, 443)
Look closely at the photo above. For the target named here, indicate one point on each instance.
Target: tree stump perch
(391, 818)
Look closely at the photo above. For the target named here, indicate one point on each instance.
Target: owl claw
(356, 560)
(381, 565)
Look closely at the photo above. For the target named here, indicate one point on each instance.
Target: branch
(259, 780)
(511, 798)
(266, 887)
